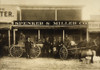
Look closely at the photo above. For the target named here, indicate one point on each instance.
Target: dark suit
(46, 47)
(67, 42)
(59, 45)
(28, 46)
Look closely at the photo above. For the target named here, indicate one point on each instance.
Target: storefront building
(74, 26)
(7, 15)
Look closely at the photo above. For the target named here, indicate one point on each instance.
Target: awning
(94, 30)
(51, 27)
(5, 25)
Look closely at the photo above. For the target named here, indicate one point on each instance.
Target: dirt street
(11, 63)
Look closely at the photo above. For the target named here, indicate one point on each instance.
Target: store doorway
(3, 43)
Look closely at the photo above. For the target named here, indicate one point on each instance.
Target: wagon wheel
(63, 53)
(16, 51)
(35, 51)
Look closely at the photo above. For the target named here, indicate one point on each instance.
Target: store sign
(8, 13)
(93, 25)
(54, 23)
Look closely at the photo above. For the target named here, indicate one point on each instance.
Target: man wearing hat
(28, 46)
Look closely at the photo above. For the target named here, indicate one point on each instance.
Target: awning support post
(87, 34)
(9, 38)
(38, 34)
(81, 35)
(14, 36)
(63, 35)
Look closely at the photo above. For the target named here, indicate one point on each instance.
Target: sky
(91, 7)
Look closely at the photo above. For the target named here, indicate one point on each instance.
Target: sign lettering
(62, 23)
(8, 13)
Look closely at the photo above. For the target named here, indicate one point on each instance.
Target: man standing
(67, 41)
(47, 46)
(59, 45)
(22, 36)
(28, 46)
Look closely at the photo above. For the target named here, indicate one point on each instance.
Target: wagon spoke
(63, 53)
(35, 51)
(16, 51)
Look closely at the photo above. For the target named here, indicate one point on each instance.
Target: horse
(86, 50)
(88, 54)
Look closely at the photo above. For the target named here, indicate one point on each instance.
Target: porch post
(14, 36)
(87, 34)
(9, 38)
(38, 34)
(63, 35)
(81, 35)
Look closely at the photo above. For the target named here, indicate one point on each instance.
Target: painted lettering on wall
(5, 13)
(8, 13)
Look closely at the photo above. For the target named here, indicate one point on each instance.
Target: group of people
(52, 45)
(48, 48)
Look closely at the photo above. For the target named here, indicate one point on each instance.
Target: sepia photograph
(49, 34)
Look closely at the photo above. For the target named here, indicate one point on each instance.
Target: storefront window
(36, 15)
(69, 15)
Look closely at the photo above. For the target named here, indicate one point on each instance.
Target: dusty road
(11, 63)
